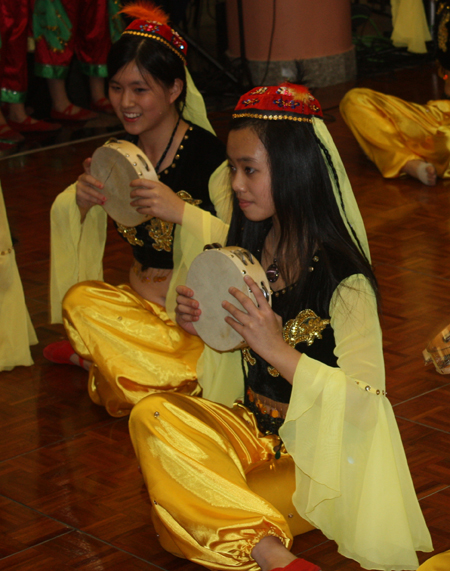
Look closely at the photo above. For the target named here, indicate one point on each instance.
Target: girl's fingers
(143, 183)
(243, 299)
(87, 165)
(257, 292)
(238, 327)
(234, 311)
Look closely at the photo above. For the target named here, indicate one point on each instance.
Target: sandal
(7, 135)
(30, 126)
(298, 565)
(67, 115)
(60, 352)
(103, 106)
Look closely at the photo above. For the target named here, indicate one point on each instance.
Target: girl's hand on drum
(262, 328)
(187, 309)
(87, 190)
(156, 199)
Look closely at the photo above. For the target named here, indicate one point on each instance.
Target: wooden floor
(71, 495)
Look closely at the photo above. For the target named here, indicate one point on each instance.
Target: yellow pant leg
(136, 349)
(392, 132)
(194, 455)
(440, 562)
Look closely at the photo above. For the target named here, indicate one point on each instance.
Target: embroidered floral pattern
(259, 91)
(248, 102)
(305, 328)
(130, 234)
(162, 231)
(286, 104)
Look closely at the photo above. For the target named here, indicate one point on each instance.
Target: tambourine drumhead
(210, 276)
(116, 164)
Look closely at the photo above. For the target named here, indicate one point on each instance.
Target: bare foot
(423, 171)
(270, 553)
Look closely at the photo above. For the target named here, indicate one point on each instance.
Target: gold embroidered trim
(129, 233)
(162, 231)
(158, 39)
(305, 328)
(273, 117)
(248, 356)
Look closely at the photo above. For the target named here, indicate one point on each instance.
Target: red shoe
(103, 106)
(8, 136)
(298, 565)
(30, 126)
(67, 115)
(60, 352)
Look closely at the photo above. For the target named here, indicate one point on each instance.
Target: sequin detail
(161, 231)
(130, 234)
(305, 328)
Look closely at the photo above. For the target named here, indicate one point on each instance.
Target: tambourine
(116, 164)
(438, 352)
(210, 276)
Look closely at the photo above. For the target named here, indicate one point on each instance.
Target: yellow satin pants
(392, 132)
(202, 464)
(440, 562)
(134, 346)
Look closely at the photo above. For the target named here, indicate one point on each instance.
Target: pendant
(273, 273)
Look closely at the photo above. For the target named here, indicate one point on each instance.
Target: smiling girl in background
(123, 335)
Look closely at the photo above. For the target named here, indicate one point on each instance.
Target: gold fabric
(440, 562)
(16, 330)
(199, 459)
(135, 347)
(351, 476)
(392, 132)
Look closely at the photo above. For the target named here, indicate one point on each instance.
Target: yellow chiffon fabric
(410, 27)
(16, 330)
(136, 349)
(351, 475)
(440, 562)
(195, 455)
(392, 132)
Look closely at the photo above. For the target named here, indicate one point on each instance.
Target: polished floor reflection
(71, 494)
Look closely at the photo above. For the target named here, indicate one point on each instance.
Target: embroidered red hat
(152, 22)
(275, 102)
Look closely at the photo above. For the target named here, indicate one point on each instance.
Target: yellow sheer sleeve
(352, 476)
(410, 25)
(16, 331)
(198, 229)
(76, 249)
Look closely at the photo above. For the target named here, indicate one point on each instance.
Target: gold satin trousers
(392, 132)
(440, 562)
(134, 347)
(199, 460)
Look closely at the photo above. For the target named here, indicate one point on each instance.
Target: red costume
(84, 28)
(14, 28)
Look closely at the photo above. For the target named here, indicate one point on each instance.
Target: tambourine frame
(210, 277)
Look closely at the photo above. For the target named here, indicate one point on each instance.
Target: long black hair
(305, 207)
(151, 57)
